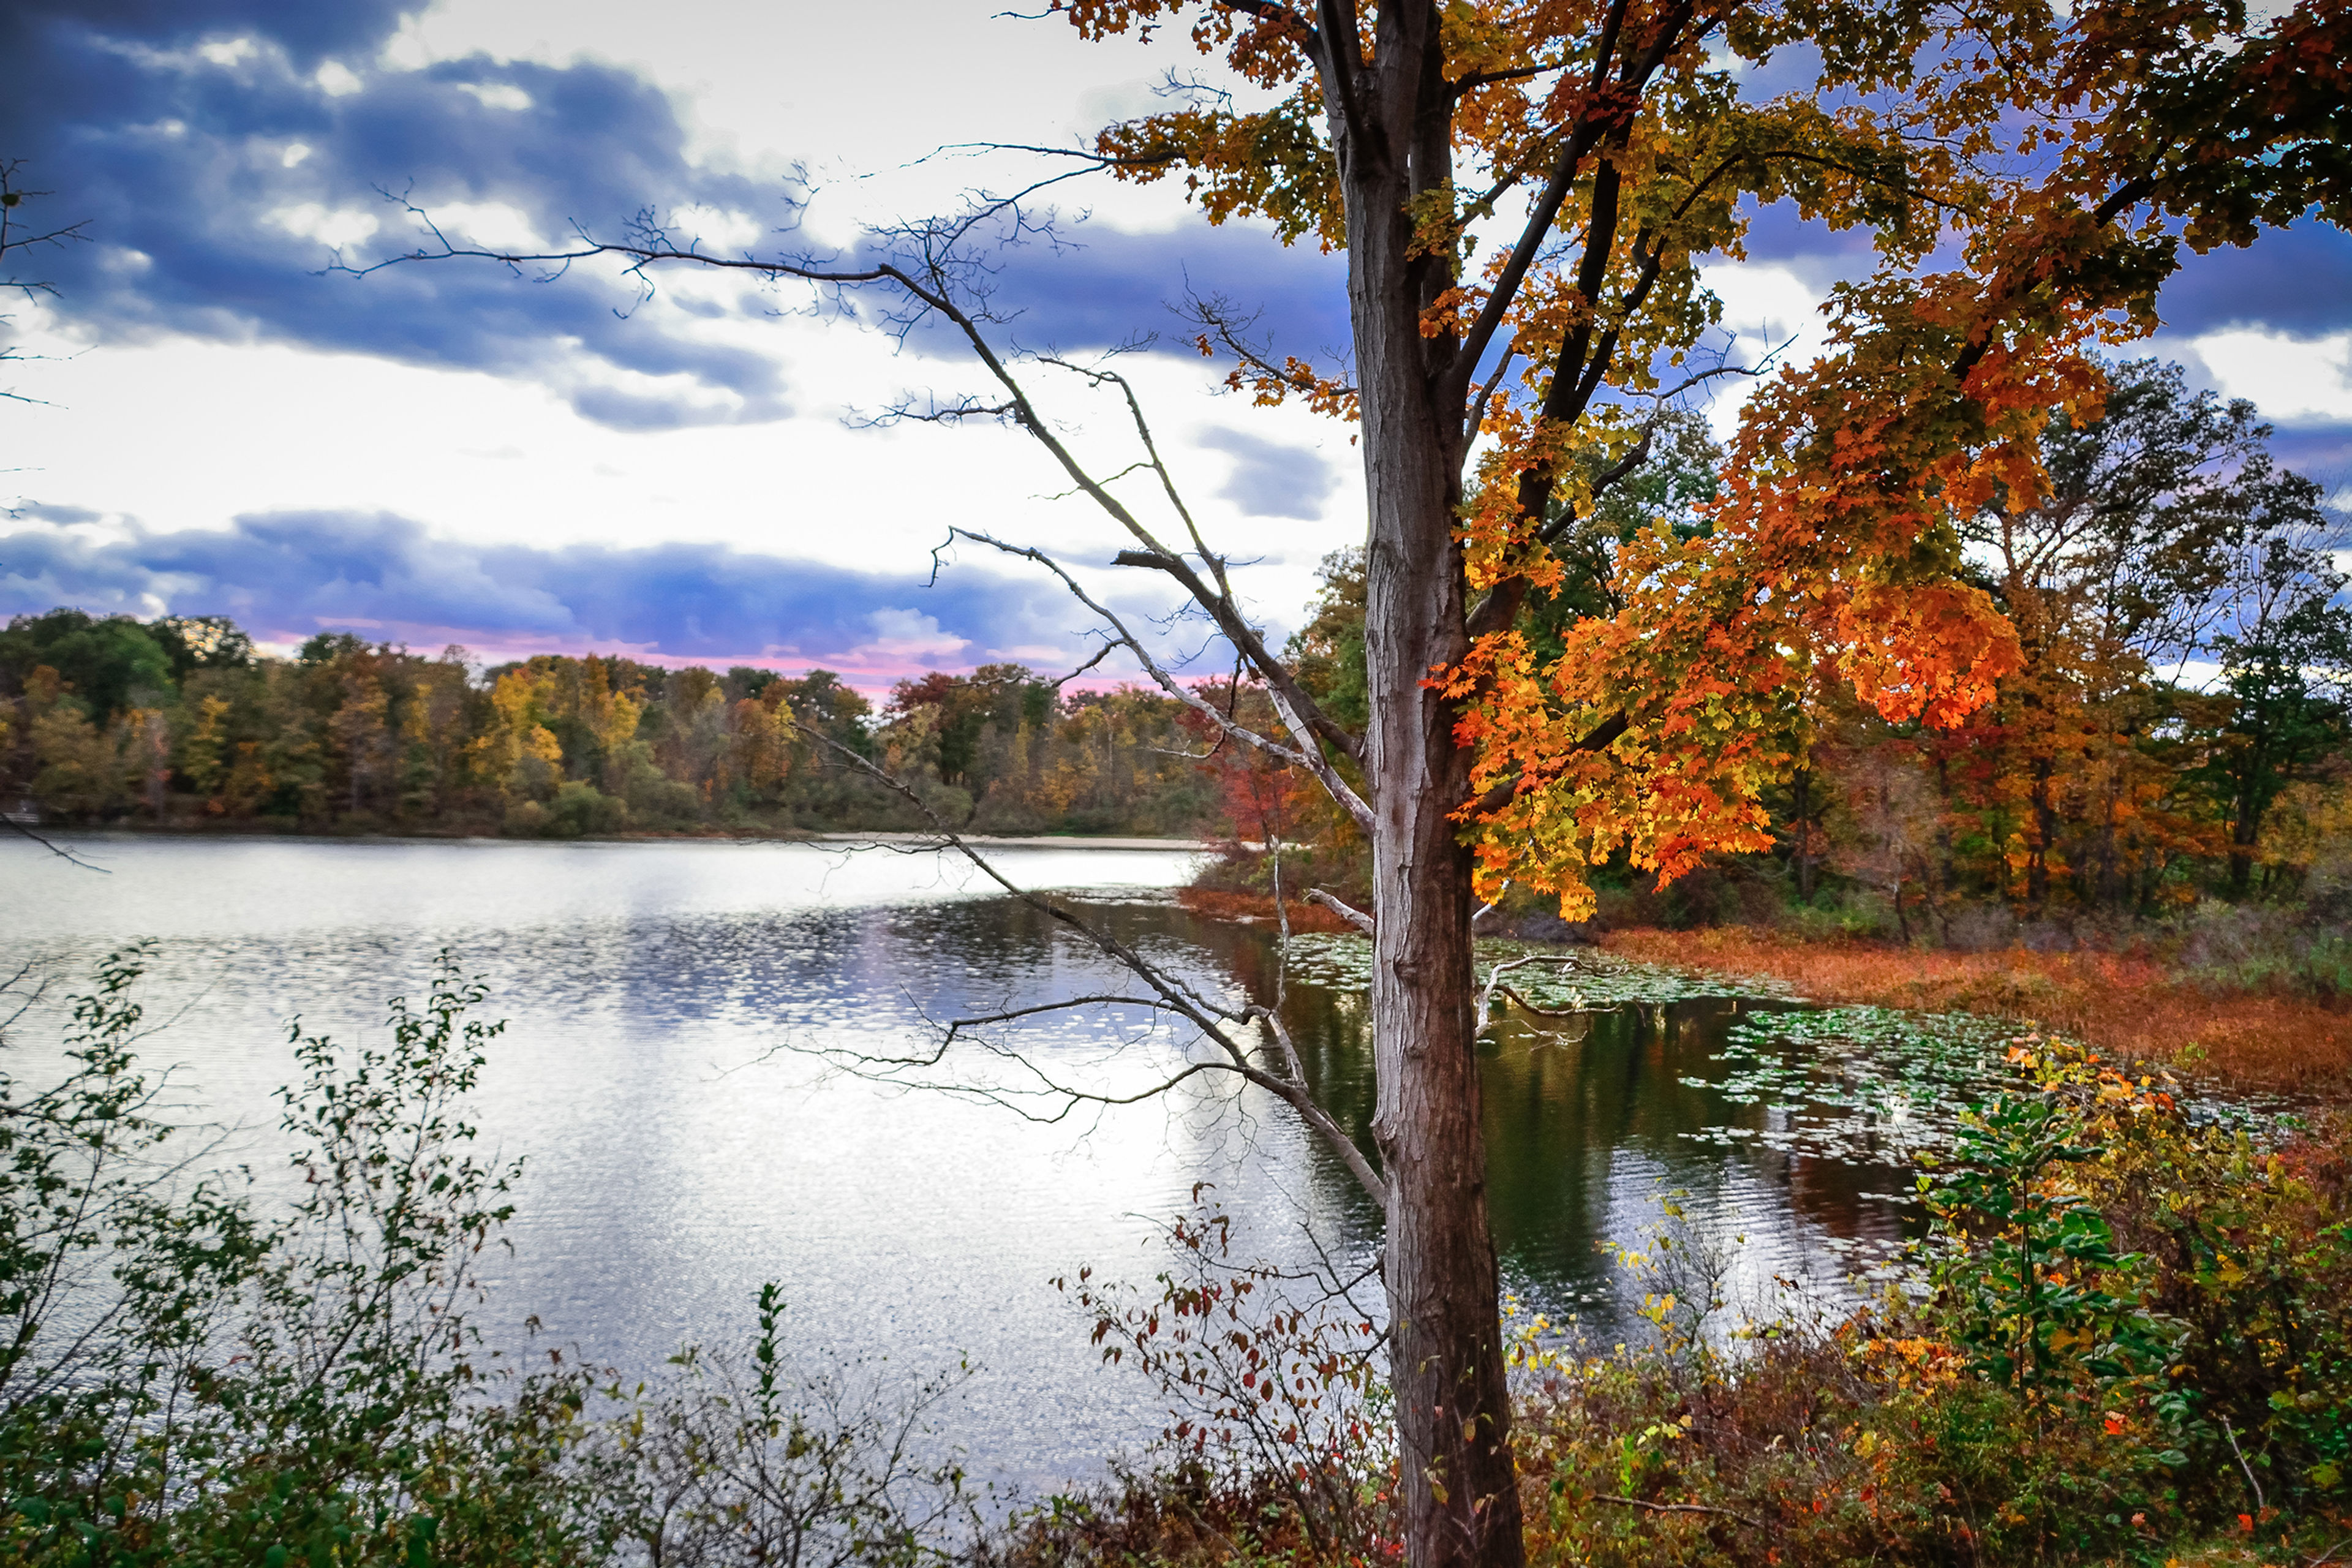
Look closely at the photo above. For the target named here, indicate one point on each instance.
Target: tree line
(182, 722)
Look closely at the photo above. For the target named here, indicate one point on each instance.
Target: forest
(181, 722)
(2177, 730)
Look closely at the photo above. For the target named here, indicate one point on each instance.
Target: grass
(2248, 1035)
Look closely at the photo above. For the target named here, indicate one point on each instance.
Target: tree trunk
(1445, 1351)
(1801, 794)
(2045, 828)
(2246, 814)
(1446, 1346)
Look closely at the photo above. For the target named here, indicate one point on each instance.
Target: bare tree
(16, 238)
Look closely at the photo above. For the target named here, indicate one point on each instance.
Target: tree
(111, 663)
(1523, 191)
(2287, 663)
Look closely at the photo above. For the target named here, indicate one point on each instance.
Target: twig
(1678, 1508)
(2259, 1506)
(1174, 995)
(68, 855)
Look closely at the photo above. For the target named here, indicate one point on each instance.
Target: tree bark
(1445, 1354)
(1447, 1368)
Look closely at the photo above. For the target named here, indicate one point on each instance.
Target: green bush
(191, 1377)
(580, 808)
(2190, 1270)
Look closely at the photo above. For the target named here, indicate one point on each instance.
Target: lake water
(684, 1145)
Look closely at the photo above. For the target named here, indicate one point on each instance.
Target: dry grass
(2130, 1006)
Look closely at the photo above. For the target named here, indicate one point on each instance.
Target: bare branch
(1304, 714)
(1101, 654)
(1293, 1090)
(1497, 988)
(1354, 916)
(1170, 994)
(1305, 756)
(68, 855)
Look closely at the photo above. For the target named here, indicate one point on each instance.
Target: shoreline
(2136, 1008)
(2133, 1007)
(478, 835)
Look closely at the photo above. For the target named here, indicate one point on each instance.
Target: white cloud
(1768, 309)
(495, 225)
(337, 79)
(226, 53)
(2288, 378)
(295, 152)
(339, 227)
(908, 634)
(497, 94)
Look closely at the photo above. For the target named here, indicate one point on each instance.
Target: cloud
(218, 151)
(222, 151)
(2293, 380)
(2291, 281)
(1270, 480)
(1103, 287)
(2295, 280)
(286, 576)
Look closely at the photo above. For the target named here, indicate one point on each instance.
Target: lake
(684, 1144)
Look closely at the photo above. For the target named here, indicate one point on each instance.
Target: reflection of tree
(1559, 1110)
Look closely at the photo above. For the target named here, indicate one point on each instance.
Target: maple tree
(2036, 153)
(1525, 193)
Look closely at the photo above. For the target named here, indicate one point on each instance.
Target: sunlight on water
(684, 1144)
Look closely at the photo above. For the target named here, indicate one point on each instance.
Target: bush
(1277, 1443)
(188, 1378)
(581, 808)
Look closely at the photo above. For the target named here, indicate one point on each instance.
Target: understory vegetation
(194, 1371)
(2130, 1340)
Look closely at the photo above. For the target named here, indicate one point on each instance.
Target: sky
(449, 453)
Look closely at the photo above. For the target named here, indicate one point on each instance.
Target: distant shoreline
(899, 838)
(1037, 841)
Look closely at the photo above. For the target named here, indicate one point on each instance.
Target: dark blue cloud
(285, 575)
(2323, 452)
(203, 148)
(1102, 287)
(198, 172)
(2297, 280)
(1271, 479)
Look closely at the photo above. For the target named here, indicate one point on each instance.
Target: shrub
(580, 808)
(188, 1377)
(1277, 1437)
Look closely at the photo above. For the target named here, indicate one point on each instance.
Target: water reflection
(684, 1146)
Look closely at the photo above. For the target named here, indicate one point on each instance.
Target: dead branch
(1498, 988)
(68, 855)
(1170, 994)
(1220, 606)
(1354, 916)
